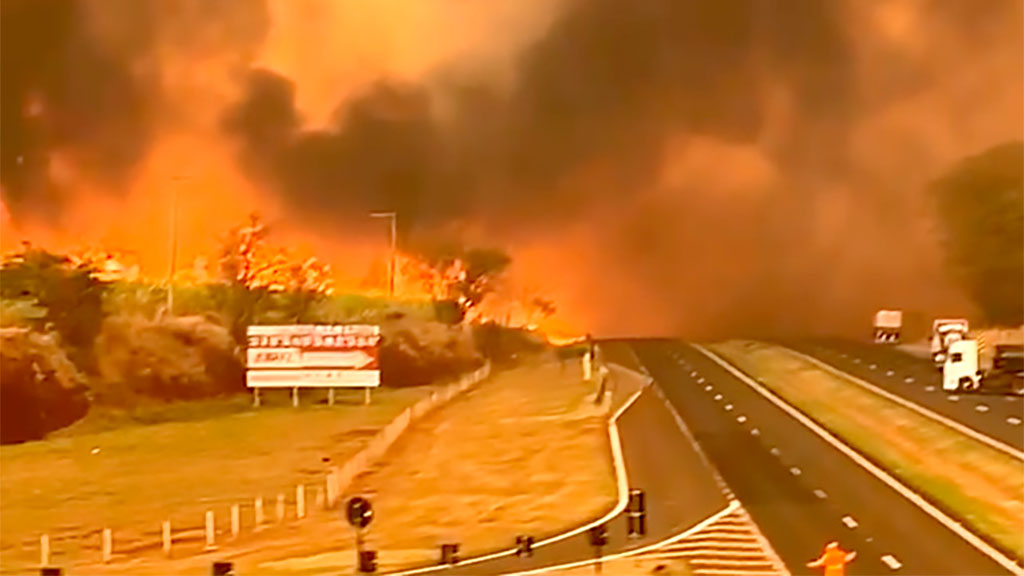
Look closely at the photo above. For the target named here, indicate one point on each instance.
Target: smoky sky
(605, 84)
(83, 78)
(871, 107)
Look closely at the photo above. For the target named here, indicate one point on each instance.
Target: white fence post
(210, 545)
(300, 501)
(280, 508)
(44, 550)
(259, 513)
(166, 530)
(332, 488)
(108, 545)
(236, 521)
(319, 497)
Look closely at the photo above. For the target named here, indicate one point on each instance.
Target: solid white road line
(891, 562)
(623, 489)
(885, 477)
(733, 505)
(850, 522)
(987, 440)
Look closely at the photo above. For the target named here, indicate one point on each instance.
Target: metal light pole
(394, 248)
(173, 247)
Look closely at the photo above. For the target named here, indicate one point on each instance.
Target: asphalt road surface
(680, 489)
(996, 415)
(800, 490)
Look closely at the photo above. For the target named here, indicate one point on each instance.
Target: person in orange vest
(834, 560)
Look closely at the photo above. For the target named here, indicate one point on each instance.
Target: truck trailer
(888, 325)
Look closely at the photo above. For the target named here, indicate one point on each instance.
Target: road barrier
(327, 495)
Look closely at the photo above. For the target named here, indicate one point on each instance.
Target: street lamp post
(173, 247)
(394, 248)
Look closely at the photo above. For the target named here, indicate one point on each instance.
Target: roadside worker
(834, 560)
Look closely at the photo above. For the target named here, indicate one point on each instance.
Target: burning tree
(458, 280)
(260, 276)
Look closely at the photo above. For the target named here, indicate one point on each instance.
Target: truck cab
(944, 333)
(960, 367)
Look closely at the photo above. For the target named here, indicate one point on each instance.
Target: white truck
(960, 369)
(946, 331)
(888, 324)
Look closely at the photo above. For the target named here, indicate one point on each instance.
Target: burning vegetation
(696, 168)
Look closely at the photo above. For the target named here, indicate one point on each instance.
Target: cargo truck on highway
(961, 371)
(888, 324)
(945, 332)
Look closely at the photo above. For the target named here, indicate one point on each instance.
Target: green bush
(177, 358)
(40, 389)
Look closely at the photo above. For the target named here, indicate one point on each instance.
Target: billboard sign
(313, 356)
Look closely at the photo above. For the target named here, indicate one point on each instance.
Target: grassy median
(524, 452)
(116, 471)
(981, 485)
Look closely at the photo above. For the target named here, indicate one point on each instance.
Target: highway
(801, 490)
(998, 416)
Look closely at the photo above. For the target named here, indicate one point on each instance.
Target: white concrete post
(280, 507)
(300, 501)
(256, 397)
(332, 488)
(366, 397)
(320, 504)
(295, 397)
(236, 521)
(330, 396)
(44, 550)
(210, 545)
(259, 512)
(587, 366)
(166, 529)
(108, 545)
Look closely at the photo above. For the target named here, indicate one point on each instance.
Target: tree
(458, 278)
(981, 208)
(71, 295)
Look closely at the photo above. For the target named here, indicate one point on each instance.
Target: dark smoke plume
(89, 82)
(606, 83)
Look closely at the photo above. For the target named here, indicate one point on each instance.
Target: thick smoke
(685, 166)
(88, 85)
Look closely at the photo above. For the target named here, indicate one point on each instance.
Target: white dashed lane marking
(707, 388)
(889, 373)
(718, 396)
(856, 360)
(820, 494)
(741, 419)
(909, 379)
(755, 432)
(953, 398)
(775, 451)
(981, 408)
(929, 388)
(1013, 421)
(728, 407)
(872, 367)
(850, 522)
(891, 562)
(794, 471)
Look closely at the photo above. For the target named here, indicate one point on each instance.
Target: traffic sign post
(636, 514)
(598, 539)
(524, 546)
(359, 514)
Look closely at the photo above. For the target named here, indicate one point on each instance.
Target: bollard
(108, 545)
(319, 498)
(259, 513)
(300, 501)
(167, 537)
(236, 521)
(295, 397)
(280, 507)
(44, 550)
(330, 396)
(210, 545)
